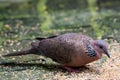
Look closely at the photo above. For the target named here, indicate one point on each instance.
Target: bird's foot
(70, 69)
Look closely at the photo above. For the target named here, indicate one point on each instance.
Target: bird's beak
(106, 52)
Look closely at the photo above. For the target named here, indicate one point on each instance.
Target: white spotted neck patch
(91, 52)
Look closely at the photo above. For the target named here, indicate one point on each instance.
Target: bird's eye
(101, 47)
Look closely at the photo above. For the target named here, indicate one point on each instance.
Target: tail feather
(41, 38)
(26, 52)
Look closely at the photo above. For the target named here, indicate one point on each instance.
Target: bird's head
(102, 47)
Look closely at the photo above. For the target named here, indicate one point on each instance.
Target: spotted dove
(70, 49)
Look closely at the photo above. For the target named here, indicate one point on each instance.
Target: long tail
(19, 53)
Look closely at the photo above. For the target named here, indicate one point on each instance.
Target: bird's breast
(81, 60)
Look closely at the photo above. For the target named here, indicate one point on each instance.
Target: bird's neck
(99, 53)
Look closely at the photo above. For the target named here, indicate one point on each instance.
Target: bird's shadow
(13, 66)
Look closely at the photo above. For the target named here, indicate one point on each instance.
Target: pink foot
(71, 69)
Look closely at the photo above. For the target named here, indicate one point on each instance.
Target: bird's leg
(70, 69)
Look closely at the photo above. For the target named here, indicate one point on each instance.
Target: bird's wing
(57, 49)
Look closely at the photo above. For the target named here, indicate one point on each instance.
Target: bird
(69, 49)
